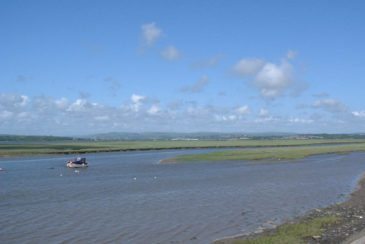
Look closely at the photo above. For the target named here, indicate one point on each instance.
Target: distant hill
(183, 136)
(216, 136)
(23, 138)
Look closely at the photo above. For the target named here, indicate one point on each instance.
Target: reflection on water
(130, 198)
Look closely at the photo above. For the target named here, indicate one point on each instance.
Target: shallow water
(128, 197)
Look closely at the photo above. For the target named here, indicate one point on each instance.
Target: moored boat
(77, 163)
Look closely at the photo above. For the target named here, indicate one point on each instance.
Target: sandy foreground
(350, 229)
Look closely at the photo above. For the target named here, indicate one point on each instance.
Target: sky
(86, 67)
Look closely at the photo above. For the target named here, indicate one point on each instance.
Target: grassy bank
(75, 147)
(276, 153)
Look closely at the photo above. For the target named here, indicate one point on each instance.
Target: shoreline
(347, 229)
(45, 149)
(271, 153)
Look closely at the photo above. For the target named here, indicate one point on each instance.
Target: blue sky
(83, 67)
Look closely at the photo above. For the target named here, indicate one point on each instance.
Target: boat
(77, 163)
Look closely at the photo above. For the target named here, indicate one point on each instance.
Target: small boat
(77, 163)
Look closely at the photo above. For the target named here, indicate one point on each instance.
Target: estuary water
(128, 197)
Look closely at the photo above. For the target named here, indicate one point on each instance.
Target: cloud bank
(21, 114)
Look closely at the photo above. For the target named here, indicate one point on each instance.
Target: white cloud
(24, 100)
(150, 33)
(359, 114)
(291, 54)
(43, 104)
(12, 101)
(226, 117)
(47, 115)
(198, 86)
(330, 105)
(102, 118)
(6, 114)
(78, 105)
(246, 67)
(154, 109)
(267, 119)
(62, 103)
(171, 53)
(263, 112)
(243, 110)
(22, 115)
(272, 80)
(137, 98)
(208, 63)
(301, 120)
(137, 101)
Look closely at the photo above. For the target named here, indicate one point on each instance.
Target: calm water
(130, 198)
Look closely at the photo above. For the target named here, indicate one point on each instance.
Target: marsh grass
(294, 232)
(268, 147)
(272, 153)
